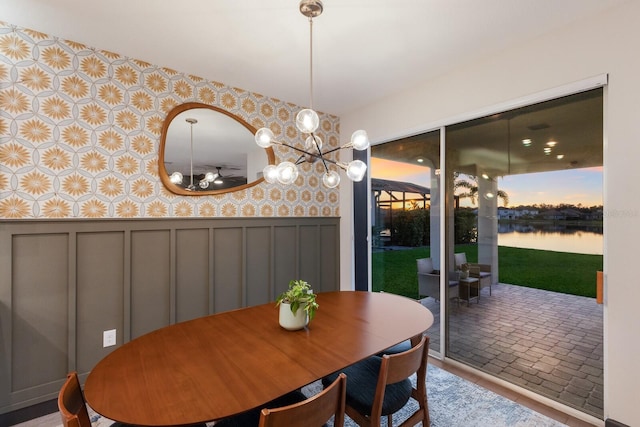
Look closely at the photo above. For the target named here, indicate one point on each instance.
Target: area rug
(456, 402)
(453, 402)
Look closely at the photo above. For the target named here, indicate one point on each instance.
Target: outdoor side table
(469, 289)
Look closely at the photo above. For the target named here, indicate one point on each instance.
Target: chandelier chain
(311, 63)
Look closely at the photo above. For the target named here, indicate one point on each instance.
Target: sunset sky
(575, 186)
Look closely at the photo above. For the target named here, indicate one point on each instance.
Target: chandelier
(307, 122)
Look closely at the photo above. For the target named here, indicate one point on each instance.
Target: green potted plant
(297, 305)
(464, 271)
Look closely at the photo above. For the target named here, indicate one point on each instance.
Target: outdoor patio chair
(429, 281)
(482, 272)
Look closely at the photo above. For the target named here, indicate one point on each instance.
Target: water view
(573, 239)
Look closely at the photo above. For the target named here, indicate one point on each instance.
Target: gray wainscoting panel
(99, 295)
(310, 255)
(63, 283)
(330, 261)
(150, 279)
(227, 267)
(257, 268)
(286, 255)
(40, 310)
(192, 273)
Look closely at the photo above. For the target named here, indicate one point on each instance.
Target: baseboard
(29, 413)
(613, 423)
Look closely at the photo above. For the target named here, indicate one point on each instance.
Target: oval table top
(224, 364)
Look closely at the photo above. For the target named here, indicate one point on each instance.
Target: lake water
(574, 239)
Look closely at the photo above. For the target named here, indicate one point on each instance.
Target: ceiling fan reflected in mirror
(218, 179)
(225, 177)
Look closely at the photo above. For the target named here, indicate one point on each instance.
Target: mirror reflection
(205, 150)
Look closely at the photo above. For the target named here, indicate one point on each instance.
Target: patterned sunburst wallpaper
(80, 130)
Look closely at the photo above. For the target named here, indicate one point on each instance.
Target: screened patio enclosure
(387, 196)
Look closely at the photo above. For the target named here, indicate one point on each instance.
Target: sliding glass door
(526, 186)
(518, 245)
(405, 221)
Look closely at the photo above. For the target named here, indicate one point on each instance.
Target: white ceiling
(363, 50)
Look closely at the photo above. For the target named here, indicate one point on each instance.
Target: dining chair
(73, 407)
(314, 411)
(71, 403)
(381, 386)
(296, 410)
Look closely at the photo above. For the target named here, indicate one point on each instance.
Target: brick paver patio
(547, 342)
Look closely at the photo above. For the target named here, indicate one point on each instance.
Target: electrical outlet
(109, 338)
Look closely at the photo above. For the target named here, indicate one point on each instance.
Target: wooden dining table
(220, 365)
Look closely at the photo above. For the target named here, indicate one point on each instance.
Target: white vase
(290, 321)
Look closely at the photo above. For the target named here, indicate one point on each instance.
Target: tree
(469, 189)
(411, 227)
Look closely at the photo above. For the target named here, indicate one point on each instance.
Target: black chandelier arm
(332, 150)
(291, 146)
(316, 155)
(320, 153)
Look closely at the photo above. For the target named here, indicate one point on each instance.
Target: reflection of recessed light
(485, 176)
(560, 156)
(420, 160)
(547, 150)
(551, 144)
(526, 142)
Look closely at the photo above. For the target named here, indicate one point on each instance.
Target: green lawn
(395, 271)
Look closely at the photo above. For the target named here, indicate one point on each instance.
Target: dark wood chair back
(394, 368)
(71, 403)
(312, 412)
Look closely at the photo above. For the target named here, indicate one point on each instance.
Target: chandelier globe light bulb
(307, 121)
(287, 173)
(310, 145)
(264, 137)
(331, 179)
(360, 140)
(356, 170)
(270, 174)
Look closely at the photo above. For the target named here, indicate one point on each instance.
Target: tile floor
(546, 342)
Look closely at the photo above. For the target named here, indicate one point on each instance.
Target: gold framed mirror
(205, 150)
